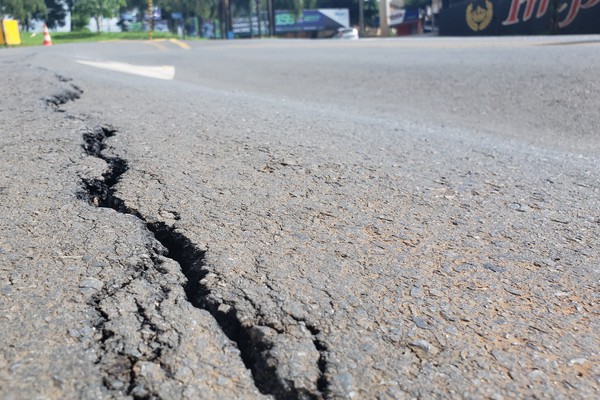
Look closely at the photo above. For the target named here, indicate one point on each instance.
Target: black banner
(520, 17)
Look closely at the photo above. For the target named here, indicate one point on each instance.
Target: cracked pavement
(90, 306)
(233, 239)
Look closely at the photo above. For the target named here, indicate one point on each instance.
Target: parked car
(346, 33)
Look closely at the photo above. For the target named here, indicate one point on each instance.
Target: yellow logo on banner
(479, 18)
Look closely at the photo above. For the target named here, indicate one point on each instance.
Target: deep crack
(100, 192)
(323, 381)
(253, 348)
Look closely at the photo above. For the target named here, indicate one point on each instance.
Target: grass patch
(37, 39)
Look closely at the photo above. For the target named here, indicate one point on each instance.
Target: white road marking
(166, 72)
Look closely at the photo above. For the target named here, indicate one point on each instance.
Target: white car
(346, 33)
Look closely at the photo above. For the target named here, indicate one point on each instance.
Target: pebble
(224, 308)
(139, 391)
(503, 357)
(424, 345)
(451, 330)
(577, 361)
(515, 206)
(222, 381)
(184, 373)
(91, 283)
(114, 384)
(464, 267)
(416, 292)
(513, 290)
(420, 322)
(345, 380)
(537, 375)
(494, 267)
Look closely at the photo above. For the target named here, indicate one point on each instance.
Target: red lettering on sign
(515, 5)
(573, 10)
(543, 8)
(589, 4)
(513, 17)
(529, 10)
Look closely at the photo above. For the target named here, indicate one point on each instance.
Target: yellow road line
(181, 44)
(157, 43)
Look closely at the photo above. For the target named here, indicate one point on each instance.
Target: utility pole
(251, 25)
(258, 18)
(229, 19)
(150, 20)
(361, 17)
(224, 18)
(271, 13)
(384, 23)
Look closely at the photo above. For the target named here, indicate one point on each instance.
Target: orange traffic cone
(47, 38)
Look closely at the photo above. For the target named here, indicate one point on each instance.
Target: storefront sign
(520, 17)
(312, 20)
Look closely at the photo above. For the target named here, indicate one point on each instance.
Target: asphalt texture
(413, 218)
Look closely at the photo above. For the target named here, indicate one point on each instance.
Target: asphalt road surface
(414, 218)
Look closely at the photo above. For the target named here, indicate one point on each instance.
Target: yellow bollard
(9, 32)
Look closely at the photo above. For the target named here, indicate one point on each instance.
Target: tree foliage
(54, 15)
(295, 6)
(22, 10)
(417, 3)
(191, 8)
(371, 8)
(53, 11)
(99, 9)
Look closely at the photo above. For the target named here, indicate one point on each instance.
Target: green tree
(422, 4)
(205, 9)
(190, 8)
(22, 10)
(371, 9)
(79, 21)
(295, 6)
(55, 14)
(99, 9)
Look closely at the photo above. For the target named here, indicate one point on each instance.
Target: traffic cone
(47, 38)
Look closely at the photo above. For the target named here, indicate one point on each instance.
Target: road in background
(302, 219)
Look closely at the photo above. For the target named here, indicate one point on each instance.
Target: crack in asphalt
(321, 347)
(322, 381)
(120, 370)
(254, 350)
(71, 93)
